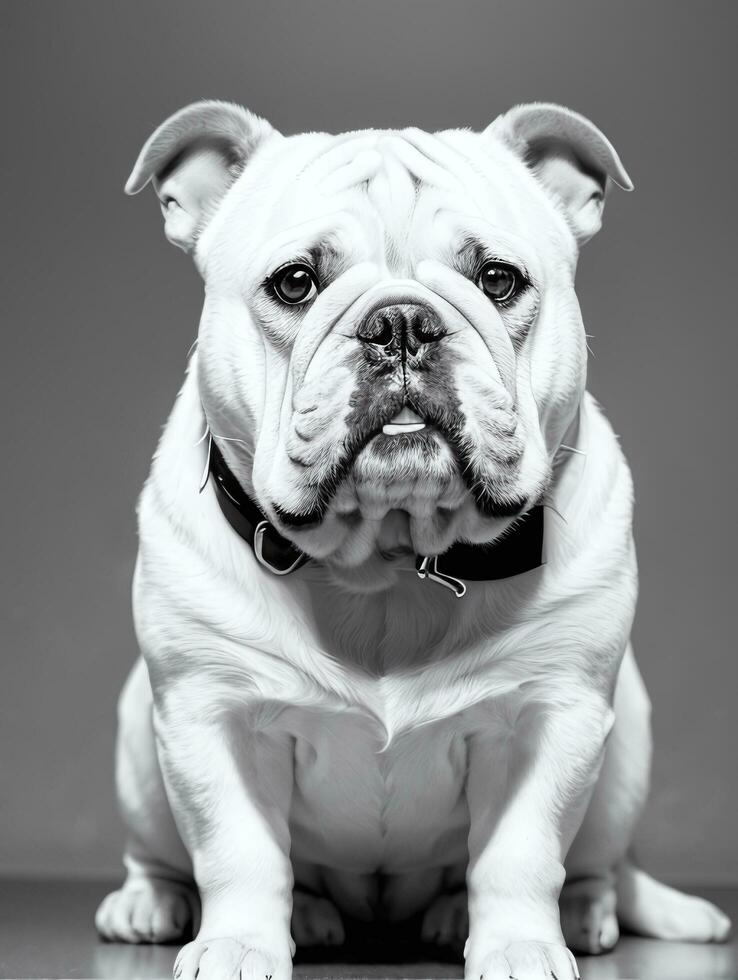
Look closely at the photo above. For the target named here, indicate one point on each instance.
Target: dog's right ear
(192, 159)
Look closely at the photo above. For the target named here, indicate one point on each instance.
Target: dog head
(390, 351)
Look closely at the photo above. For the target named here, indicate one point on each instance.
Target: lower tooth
(395, 428)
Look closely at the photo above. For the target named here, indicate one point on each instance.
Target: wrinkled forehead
(392, 192)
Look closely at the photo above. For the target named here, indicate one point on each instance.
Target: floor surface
(46, 930)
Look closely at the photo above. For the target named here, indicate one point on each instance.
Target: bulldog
(386, 574)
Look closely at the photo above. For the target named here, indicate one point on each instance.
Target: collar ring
(259, 532)
(427, 567)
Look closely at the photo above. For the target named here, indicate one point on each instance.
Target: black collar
(520, 550)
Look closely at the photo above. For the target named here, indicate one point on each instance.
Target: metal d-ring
(259, 533)
(426, 567)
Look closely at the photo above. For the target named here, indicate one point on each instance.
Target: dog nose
(402, 325)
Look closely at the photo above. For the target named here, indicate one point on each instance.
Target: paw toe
(527, 960)
(447, 920)
(588, 918)
(144, 912)
(315, 921)
(230, 959)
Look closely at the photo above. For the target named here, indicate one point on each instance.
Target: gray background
(98, 314)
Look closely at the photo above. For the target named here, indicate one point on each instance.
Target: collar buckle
(259, 532)
(427, 568)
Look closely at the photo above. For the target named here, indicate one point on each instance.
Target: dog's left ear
(192, 159)
(569, 155)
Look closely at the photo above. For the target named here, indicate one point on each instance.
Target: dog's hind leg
(315, 919)
(588, 900)
(158, 901)
(650, 908)
(446, 920)
(603, 888)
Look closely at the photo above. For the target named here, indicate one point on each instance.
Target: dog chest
(359, 807)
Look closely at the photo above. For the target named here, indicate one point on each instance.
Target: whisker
(202, 437)
(229, 439)
(557, 512)
(206, 470)
(571, 449)
(193, 345)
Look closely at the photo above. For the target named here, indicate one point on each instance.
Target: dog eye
(499, 281)
(295, 284)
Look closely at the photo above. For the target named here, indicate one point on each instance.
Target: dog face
(390, 348)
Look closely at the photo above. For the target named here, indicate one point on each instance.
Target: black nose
(403, 325)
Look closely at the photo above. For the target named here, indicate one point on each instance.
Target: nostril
(426, 329)
(426, 335)
(378, 329)
(385, 333)
(404, 325)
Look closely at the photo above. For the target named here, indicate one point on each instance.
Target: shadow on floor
(46, 930)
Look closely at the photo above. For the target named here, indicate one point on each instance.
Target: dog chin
(418, 476)
(371, 576)
(422, 478)
(378, 554)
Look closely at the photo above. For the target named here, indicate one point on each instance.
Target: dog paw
(146, 910)
(447, 920)
(315, 921)
(231, 959)
(526, 960)
(588, 918)
(684, 918)
(705, 923)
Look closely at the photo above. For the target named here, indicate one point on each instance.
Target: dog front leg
(229, 786)
(525, 808)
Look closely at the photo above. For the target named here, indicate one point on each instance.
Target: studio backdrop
(98, 313)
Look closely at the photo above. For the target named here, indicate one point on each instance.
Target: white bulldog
(386, 575)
